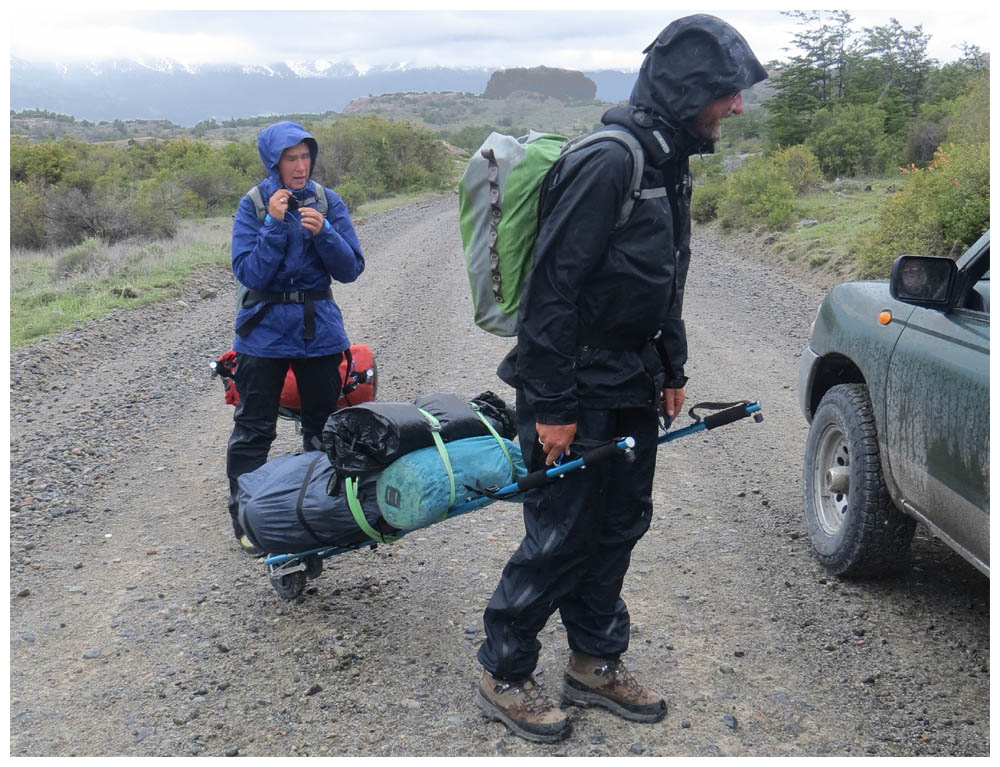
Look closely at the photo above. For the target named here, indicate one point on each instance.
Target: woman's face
(294, 166)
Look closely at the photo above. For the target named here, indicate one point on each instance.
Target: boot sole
(492, 711)
(586, 699)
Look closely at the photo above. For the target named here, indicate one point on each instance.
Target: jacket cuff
(556, 418)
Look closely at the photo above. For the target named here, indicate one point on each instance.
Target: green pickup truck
(895, 384)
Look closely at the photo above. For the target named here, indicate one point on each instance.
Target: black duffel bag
(370, 436)
(285, 507)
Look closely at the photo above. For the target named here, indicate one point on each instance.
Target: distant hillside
(562, 84)
(442, 112)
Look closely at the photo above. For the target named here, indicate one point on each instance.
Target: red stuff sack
(358, 379)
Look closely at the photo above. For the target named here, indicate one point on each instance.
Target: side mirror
(923, 280)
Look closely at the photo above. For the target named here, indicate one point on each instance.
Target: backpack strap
(322, 204)
(622, 136)
(258, 203)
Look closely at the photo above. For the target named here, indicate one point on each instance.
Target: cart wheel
(314, 566)
(290, 586)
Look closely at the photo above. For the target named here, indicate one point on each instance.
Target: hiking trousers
(259, 381)
(579, 535)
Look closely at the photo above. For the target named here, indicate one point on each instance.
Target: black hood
(693, 62)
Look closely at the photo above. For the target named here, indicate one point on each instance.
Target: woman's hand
(312, 219)
(278, 204)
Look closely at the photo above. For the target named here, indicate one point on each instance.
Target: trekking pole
(734, 413)
(544, 476)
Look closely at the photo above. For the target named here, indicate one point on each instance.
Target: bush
(27, 216)
(108, 213)
(86, 257)
(705, 201)
(383, 157)
(849, 140)
(941, 211)
(756, 194)
(799, 167)
(352, 193)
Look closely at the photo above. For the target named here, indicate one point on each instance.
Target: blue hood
(275, 139)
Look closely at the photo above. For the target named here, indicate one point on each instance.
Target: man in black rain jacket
(601, 348)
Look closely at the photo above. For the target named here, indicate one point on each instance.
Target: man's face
(708, 122)
(294, 165)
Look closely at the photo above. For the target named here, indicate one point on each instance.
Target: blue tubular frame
(624, 446)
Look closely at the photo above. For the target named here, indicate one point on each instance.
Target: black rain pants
(259, 381)
(579, 535)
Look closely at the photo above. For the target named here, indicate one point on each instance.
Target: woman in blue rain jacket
(287, 317)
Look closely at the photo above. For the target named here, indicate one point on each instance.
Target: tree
(814, 78)
(898, 58)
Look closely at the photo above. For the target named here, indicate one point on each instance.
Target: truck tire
(853, 525)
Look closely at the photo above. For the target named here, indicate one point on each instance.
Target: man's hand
(671, 401)
(278, 204)
(312, 219)
(555, 439)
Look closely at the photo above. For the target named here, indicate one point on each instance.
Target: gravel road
(137, 628)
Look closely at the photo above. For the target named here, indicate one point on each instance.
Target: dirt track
(138, 629)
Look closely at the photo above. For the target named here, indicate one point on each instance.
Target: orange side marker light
(885, 316)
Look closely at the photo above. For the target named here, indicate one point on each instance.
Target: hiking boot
(595, 682)
(248, 547)
(523, 708)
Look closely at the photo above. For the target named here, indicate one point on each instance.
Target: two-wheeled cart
(289, 573)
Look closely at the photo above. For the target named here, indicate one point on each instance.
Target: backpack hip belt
(304, 297)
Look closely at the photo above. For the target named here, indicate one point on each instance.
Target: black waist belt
(304, 297)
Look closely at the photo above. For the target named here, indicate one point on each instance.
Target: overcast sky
(576, 39)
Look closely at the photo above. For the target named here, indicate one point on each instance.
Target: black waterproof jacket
(597, 294)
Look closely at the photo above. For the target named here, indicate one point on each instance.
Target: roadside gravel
(138, 629)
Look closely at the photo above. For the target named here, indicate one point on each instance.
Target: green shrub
(352, 193)
(942, 210)
(799, 167)
(849, 140)
(705, 201)
(383, 157)
(110, 213)
(756, 194)
(87, 257)
(708, 168)
(27, 216)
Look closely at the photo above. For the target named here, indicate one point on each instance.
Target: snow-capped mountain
(166, 89)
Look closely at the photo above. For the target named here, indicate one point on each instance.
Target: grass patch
(843, 210)
(46, 299)
(372, 207)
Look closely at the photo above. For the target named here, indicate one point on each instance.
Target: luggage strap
(351, 493)
(301, 500)
(443, 452)
(496, 436)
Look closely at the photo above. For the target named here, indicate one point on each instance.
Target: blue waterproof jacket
(279, 257)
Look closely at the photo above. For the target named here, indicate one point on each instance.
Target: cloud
(578, 40)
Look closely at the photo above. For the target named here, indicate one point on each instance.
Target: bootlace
(620, 675)
(533, 700)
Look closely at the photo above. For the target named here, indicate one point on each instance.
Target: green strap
(351, 491)
(497, 437)
(443, 452)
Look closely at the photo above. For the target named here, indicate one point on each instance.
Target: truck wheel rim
(831, 480)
